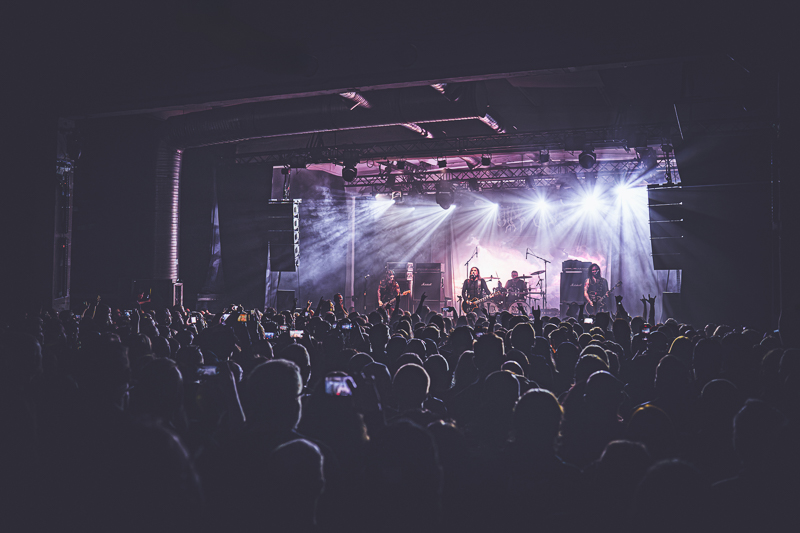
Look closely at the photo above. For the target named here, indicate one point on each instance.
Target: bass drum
(492, 308)
(514, 308)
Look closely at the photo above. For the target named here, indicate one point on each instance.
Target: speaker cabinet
(671, 306)
(431, 284)
(283, 234)
(284, 301)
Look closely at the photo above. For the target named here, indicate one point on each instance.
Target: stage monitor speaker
(283, 234)
(157, 293)
(284, 301)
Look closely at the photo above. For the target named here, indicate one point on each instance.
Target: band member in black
(594, 289)
(474, 287)
(388, 289)
(516, 289)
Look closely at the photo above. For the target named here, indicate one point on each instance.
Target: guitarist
(594, 289)
(387, 288)
(474, 287)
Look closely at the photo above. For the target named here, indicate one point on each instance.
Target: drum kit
(517, 300)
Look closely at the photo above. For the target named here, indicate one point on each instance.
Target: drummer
(516, 288)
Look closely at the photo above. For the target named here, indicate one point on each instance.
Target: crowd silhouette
(326, 421)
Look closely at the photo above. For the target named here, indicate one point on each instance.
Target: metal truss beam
(550, 175)
(620, 136)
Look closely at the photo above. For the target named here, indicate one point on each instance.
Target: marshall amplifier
(431, 284)
(428, 267)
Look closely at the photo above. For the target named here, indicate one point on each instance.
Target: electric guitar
(390, 302)
(472, 304)
(598, 299)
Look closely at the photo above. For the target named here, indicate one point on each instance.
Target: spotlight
(442, 163)
(349, 160)
(589, 201)
(400, 165)
(544, 156)
(349, 174)
(444, 194)
(540, 204)
(486, 160)
(588, 158)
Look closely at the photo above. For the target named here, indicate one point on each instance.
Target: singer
(474, 287)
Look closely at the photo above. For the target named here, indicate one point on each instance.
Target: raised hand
(651, 299)
(643, 300)
(537, 313)
(618, 298)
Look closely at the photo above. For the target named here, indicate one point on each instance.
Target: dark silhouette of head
(758, 433)
(272, 395)
(297, 481)
(489, 353)
(588, 365)
(537, 419)
(410, 385)
(159, 390)
(439, 372)
(603, 394)
(671, 497)
(403, 479)
(297, 354)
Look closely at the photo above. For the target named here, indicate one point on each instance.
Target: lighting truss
(425, 148)
(551, 175)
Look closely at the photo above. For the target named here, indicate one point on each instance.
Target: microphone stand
(544, 290)
(473, 256)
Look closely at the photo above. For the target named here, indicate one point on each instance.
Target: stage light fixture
(444, 194)
(588, 158)
(486, 160)
(442, 163)
(530, 182)
(349, 160)
(541, 204)
(349, 174)
(544, 156)
(401, 165)
(473, 184)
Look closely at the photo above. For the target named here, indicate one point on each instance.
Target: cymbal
(537, 272)
(491, 277)
(523, 277)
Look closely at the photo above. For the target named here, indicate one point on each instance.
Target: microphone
(476, 252)
(527, 252)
